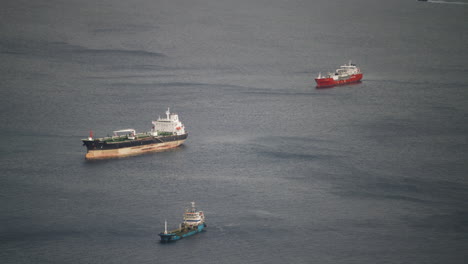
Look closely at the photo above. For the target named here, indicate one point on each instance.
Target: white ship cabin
(192, 217)
(348, 69)
(343, 72)
(130, 133)
(169, 125)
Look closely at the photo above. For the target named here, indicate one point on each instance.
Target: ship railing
(125, 137)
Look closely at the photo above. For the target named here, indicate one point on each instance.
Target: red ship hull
(329, 82)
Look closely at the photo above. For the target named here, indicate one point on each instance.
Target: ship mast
(165, 227)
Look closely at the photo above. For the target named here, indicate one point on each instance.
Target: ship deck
(123, 138)
(181, 231)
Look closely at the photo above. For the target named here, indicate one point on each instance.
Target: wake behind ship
(166, 133)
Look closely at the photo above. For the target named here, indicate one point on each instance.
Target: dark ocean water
(369, 173)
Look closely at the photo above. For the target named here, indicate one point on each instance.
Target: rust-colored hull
(131, 151)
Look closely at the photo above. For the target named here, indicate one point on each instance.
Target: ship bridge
(171, 124)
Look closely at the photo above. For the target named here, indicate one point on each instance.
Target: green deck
(181, 231)
(123, 138)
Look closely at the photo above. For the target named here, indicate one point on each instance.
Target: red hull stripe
(323, 82)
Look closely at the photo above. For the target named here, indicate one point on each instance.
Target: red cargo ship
(347, 73)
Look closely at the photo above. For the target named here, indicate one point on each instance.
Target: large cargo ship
(348, 73)
(194, 222)
(166, 133)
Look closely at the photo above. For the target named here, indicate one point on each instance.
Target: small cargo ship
(166, 133)
(194, 222)
(348, 73)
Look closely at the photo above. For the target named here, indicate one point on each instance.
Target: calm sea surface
(375, 172)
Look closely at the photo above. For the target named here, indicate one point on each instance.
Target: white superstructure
(130, 132)
(344, 72)
(170, 124)
(192, 217)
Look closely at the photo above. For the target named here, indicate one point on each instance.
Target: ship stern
(166, 238)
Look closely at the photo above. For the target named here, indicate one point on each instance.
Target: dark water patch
(159, 84)
(180, 84)
(28, 136)
(444, 108)
(35, 236)
(420, 84)
(304, 149)
(397, 128)
(64, 50)
(281, 92)
(264, 221)
(127, 77)
(454, 222)
(453, 191)
(372, 195)
(291, 139)
(116, 52)
(282, 154)
(363, 223)
(124, 28)
(453, 68)
(308, 90)
(175, 85)
(217, 86)
(143, 67)
(447, 2)
(415, 190)
(12, 52)
(452, 168)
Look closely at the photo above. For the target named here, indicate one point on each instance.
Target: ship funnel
(168, 113)
(320, 75)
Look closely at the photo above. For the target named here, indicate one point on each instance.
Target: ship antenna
(165, 227)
